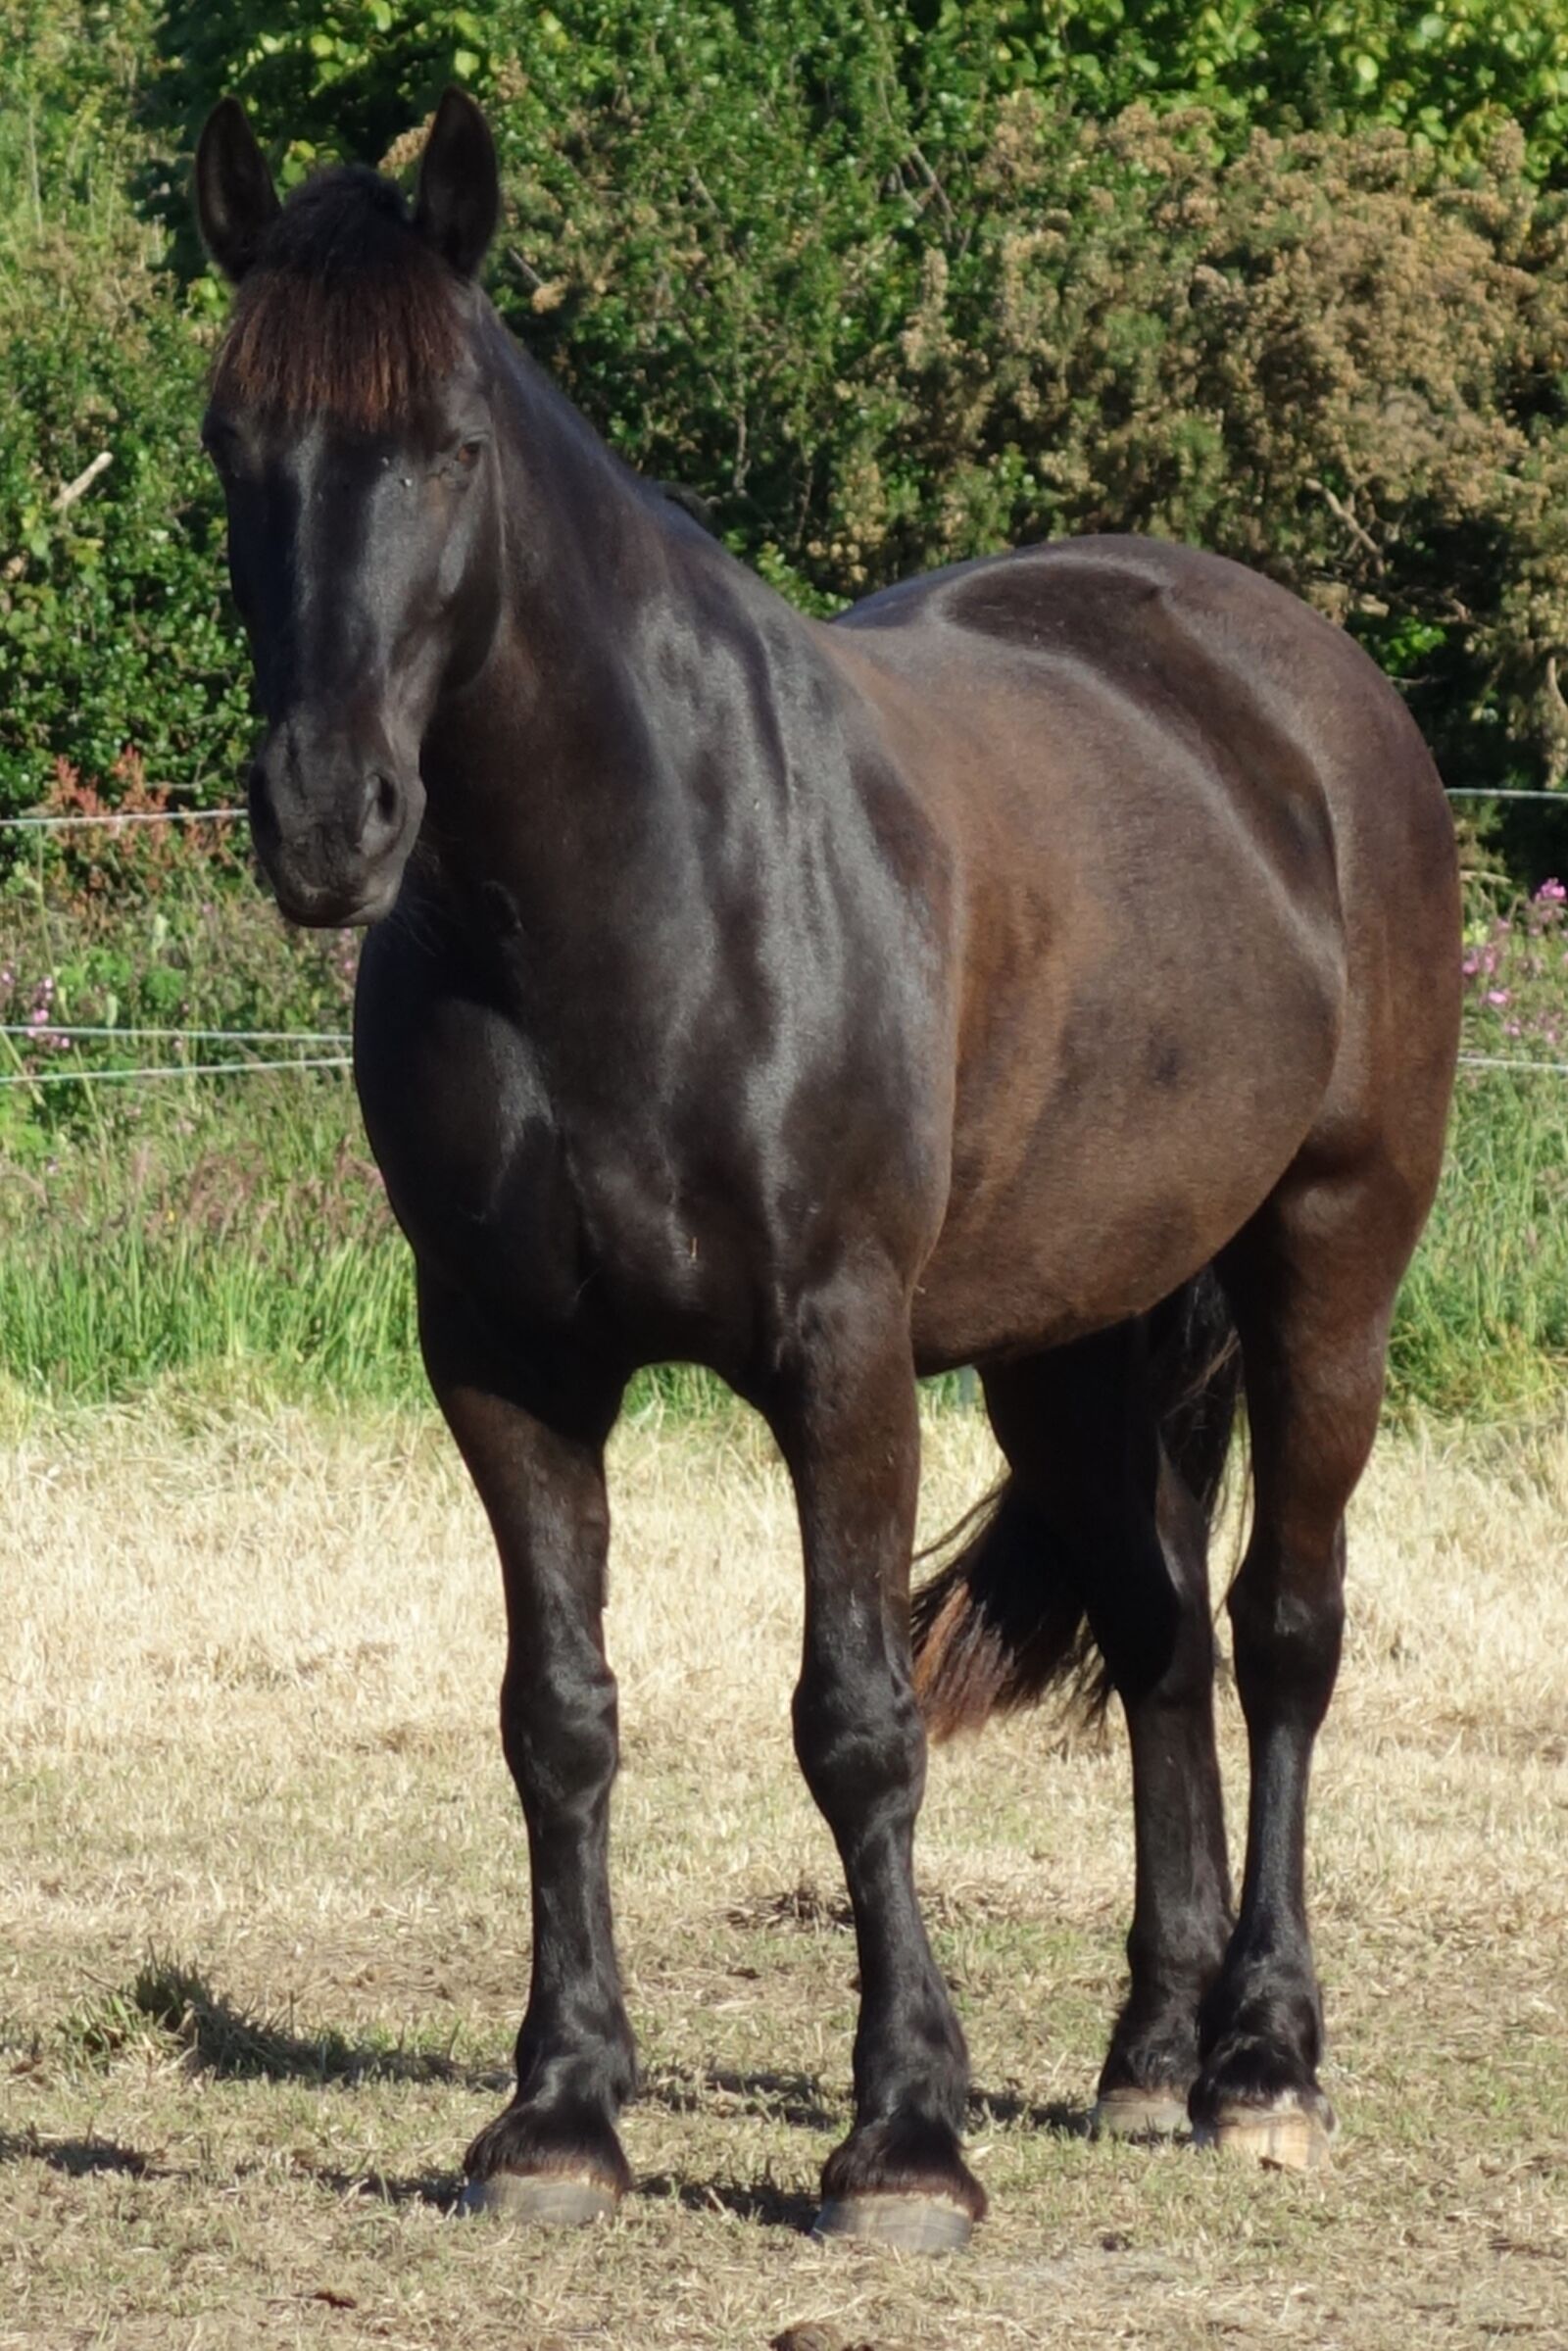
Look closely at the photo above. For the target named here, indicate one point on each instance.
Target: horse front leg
(553, 2154)
(848, 1429)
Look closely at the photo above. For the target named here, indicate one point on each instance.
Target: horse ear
(460, 187)
(236, 202)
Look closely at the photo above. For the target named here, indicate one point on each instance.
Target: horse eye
(468, 455)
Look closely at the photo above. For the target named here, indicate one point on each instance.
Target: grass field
(261, 1881)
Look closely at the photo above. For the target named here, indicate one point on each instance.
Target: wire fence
(115, 819)
(121, 816)
(53, 1028)
(42, 1030)
(171, 1069)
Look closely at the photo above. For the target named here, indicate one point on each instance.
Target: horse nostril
(383, 801)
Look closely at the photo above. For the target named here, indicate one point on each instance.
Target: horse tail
(1003, 1621)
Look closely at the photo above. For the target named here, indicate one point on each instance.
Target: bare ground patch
(262, 1885)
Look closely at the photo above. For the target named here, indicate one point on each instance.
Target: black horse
(829, 1005)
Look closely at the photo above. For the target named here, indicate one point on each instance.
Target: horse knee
(561, 1737)
(859, 1741)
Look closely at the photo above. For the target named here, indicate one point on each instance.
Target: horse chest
(568, 1221)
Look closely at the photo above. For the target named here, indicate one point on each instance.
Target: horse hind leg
(1312, 1282)
(1100, 1544)
(1152, 1617)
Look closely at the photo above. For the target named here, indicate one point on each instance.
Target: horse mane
(347, 312)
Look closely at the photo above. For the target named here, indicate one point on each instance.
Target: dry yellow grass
(248, 1754)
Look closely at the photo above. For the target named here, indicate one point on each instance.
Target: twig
(530, 277)
(1341, 512)
(83, 483)
(932, 184)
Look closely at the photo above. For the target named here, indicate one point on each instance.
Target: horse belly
(1096, 1173)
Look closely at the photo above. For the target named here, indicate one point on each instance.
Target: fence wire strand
(114, 818)
(1557, 1069)
(111, 817)
(64, 1028)
(118, 816)
(171, 1069)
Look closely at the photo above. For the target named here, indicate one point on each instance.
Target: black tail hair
(1002, 1621)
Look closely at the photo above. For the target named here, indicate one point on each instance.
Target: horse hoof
(910, 2223)
(1129, 2113)
(539, 2199)
(1287, 2137)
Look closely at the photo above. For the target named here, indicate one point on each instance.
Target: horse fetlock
(1268, 2003)
(569, 2141)
(1264, 2063)
(1260, 2035)
(1153, 2052)
(910, 2158)
(891, 2082)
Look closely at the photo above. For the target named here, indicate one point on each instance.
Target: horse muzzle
(333, 826)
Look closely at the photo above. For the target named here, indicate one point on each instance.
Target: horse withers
(1049, 966)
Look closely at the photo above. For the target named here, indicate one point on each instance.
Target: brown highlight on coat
(346, 315)
(1003, 1623)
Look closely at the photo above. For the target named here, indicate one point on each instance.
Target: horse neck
(567, 772)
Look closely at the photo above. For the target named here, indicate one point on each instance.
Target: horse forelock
(348, 313)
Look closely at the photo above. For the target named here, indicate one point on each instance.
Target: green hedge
(887, 285)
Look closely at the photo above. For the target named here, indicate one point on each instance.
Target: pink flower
(1551, 893)
(1497, 996)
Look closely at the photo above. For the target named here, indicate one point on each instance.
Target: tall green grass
(234, 1235)
(235, 1240)
(1482, 1327)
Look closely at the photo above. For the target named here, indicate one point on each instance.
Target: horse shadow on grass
(801, 2101)
(440, 2191)
(761, 2200)
(221, 2038)
(1057, 2117)
(796, 2100)
(81, 2158)
(77, 2158)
